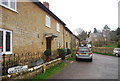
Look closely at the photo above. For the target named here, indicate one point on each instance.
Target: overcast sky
(86, 14)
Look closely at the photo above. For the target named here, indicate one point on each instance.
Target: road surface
(102, 67)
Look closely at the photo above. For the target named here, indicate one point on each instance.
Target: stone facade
(28, 28)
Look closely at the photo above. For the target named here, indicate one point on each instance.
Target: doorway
(48, 43)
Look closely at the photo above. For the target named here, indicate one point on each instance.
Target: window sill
(7, 53)
(58, 31)
(9, 8)
(48, 26)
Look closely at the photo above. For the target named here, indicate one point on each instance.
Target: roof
(76, 37)
(40, 5)
(67, 29)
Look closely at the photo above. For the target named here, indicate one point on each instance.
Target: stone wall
(103, 50)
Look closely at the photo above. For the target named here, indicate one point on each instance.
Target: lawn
(72, 58)
(50, 72)
(103, 53)
(112, 46)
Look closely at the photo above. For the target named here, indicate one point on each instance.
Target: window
(84, 50)
(66, 44)
(58, 44)
(1, 39)
(6, 41)
(66, 33)
(58, 27)
(5, 2)
(11, 4)
(47, 21)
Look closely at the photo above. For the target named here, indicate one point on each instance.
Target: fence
(21, 59)
(12, 60)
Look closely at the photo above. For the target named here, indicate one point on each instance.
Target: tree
(95, 30)
(106, 28)
(89, 34)
(82, 35)
(113, 36)
(78, 31)
(118, 31)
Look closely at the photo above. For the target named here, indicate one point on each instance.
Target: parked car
(84, 53)
(89, 45)
(82, 45)
(116, 52)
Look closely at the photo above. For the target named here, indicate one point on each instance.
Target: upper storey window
(10, 4)
(58, 27)
(48, 21)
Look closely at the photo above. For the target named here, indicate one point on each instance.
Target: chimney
(46, 4)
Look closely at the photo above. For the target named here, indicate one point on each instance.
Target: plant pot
(48, 58)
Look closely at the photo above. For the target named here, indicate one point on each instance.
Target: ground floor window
(58, 44)
(66, 44)
(6, 41)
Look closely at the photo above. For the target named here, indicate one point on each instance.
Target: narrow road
(102, 67)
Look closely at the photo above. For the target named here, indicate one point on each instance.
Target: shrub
(118, 45)
(73, 50)
(47, 52)
(68, 51)
(61, 53)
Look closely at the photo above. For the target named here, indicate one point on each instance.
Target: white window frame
(4, 41)
(48, 22)
(58, 44)
(9, 5)
(58, 27)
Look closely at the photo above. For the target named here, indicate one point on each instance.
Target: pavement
(102, 67)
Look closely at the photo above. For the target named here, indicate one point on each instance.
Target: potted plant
(47, 53)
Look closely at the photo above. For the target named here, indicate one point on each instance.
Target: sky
(86, 14)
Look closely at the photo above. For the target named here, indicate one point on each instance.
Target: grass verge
(103, 53)
(50, 72)
(72, 58)
(112, 46)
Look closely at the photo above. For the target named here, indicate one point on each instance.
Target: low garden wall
(31, 72)
(103, 50)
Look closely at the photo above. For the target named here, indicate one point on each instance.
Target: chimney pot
(46, 4)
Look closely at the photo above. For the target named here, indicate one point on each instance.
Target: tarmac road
(102, 67)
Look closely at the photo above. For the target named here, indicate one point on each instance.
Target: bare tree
(78, 31)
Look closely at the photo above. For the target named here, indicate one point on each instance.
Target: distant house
(95, 37)
(101, 36)
(32, 27)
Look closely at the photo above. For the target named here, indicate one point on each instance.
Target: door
(48, 43)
